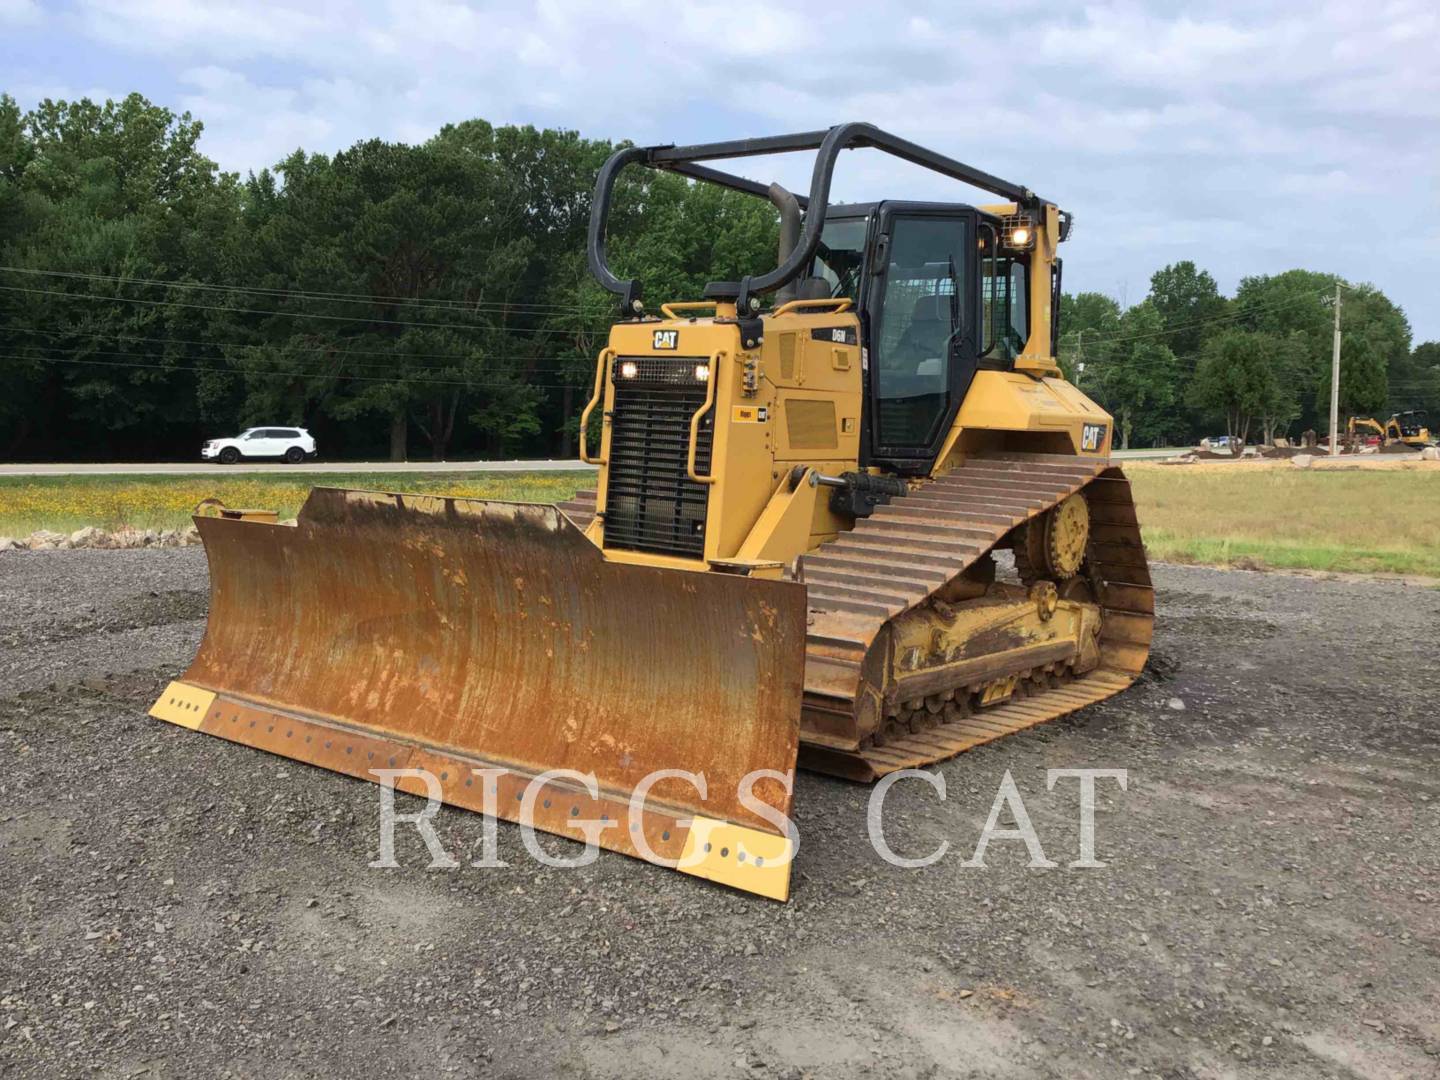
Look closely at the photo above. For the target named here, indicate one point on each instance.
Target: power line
(179, 370)
(1131, 364)
(1255, 309)
(341, 355)
(473, 383)
(263, 311)
(337, 297)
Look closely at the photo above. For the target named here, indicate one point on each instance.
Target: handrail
(988, 345)
(695, 421)
(602, 367)
(669, 310)
(841, 304)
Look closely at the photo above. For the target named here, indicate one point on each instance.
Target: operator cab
(942, 291)
(1413, 423)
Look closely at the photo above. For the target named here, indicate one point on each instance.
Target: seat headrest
(932, 308)
(812, 288)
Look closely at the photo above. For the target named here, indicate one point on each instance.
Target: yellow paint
(214, 508)
(783, 371)
(835, 305)
(1006, 401)
(998, 691)
(183, 704)
(785, 524)
(743, 858)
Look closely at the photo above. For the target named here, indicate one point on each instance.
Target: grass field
(1259, 516)
(1248, 515)
(66, 503)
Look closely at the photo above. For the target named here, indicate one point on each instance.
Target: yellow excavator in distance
(1411, 427)
(803, 480)
(1404, 429)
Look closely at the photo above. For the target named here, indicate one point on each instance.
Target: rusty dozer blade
(389, 631)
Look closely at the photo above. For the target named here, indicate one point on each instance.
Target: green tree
(419, 250)
(438, 295)
(1238, 378)
(1087, 321)
(105, 201)
(21, 375)
(1136, 375)
(1297, 305)
(1282, 406)
(1189, 305)
(1415, 381)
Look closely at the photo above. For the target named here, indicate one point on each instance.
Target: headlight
(629, 369)
(1018, 232)
(702, 372)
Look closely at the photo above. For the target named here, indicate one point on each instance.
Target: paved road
(1140, 455)
(183, 468)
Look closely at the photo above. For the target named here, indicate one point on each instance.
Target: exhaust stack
(789, 208)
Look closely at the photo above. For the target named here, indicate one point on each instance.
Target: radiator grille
(650, 502)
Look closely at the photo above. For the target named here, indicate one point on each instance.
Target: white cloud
(1171, 132)
(20, 13)
(249, 123)
(189, 28)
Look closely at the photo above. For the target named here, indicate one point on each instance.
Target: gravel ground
(178, 906)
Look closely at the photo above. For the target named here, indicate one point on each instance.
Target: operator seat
(925, 339)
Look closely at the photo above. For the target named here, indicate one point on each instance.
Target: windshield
(837, 262)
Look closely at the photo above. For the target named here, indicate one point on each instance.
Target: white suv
(293, 445)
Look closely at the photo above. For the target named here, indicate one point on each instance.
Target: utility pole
(1335, 380)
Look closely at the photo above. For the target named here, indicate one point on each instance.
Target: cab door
(920, 308)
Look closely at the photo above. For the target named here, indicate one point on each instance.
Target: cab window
(1004, 295)
(837, 260)
(920, 323)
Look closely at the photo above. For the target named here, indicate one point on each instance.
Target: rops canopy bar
(684, 159)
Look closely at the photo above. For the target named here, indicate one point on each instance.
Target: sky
(1251, 137)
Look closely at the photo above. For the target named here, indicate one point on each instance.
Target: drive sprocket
(1052, 545)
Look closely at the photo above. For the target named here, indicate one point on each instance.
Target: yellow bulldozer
(804, 480)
